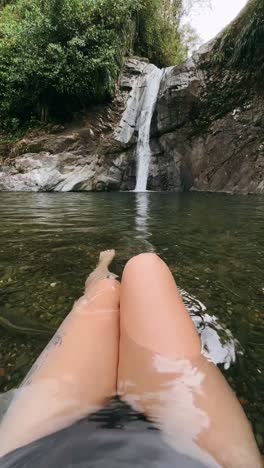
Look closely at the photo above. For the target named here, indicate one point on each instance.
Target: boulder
(180, 90)
(133, 77)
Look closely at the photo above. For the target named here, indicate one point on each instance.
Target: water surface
(213, 243)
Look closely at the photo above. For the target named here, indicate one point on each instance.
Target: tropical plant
(60, 56)
(157, 35)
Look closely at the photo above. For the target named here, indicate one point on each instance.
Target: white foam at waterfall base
(150, 95)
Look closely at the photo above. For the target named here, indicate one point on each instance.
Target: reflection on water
(141, 219)
(214, 245)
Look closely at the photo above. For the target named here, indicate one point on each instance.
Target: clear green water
(214, 245)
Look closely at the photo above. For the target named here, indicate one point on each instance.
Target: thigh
(75, 374)
(162, 372)
(153, 313)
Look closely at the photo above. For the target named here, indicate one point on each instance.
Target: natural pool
(213, 243)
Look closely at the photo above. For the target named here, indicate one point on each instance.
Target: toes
(107, 254)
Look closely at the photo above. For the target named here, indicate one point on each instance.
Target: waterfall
(143, 153)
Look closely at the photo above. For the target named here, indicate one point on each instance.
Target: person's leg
(162, 372)
(77, 372)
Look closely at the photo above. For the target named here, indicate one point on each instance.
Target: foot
(106, 257)
(101, 271)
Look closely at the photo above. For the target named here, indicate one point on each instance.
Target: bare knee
(142, 262)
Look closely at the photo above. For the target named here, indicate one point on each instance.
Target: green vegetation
(242, 44)
(158, 34)
(60, 56)
(57, 56)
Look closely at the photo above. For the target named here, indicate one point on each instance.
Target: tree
(158, 36)
(59, 56)
(163, 33)
(192, 6)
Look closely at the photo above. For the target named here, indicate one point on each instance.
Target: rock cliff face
(99, 153)
(227, 156)
(86, 156)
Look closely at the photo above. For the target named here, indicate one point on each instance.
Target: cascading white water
(152, 86)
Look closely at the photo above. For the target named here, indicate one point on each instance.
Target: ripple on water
(213, 243)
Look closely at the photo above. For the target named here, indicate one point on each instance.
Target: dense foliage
(158, 32)
(59, 56)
